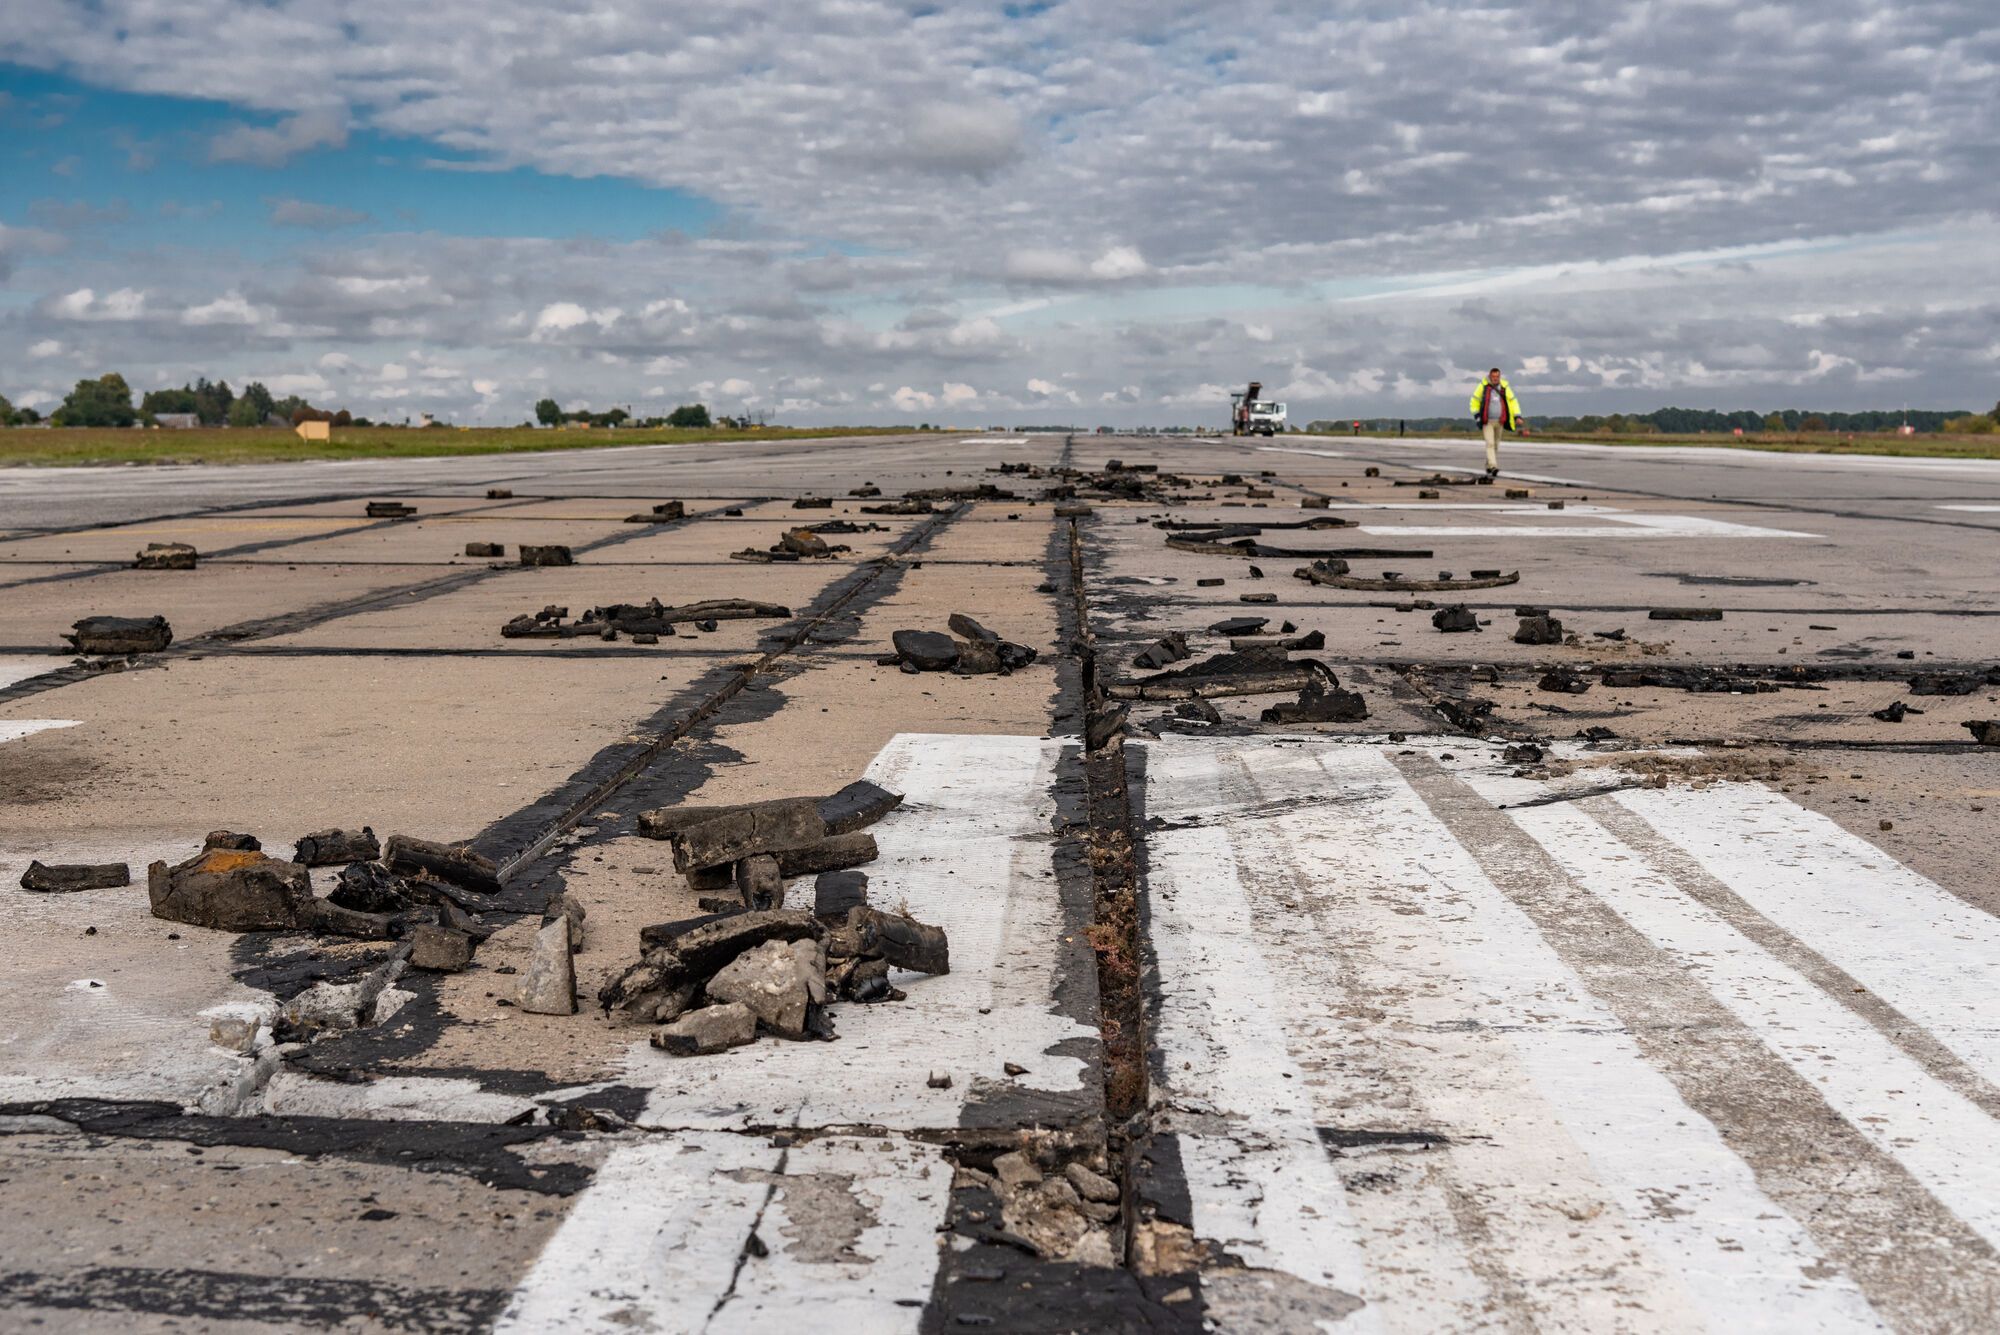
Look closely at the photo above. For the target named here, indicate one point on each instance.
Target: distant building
(177, 421)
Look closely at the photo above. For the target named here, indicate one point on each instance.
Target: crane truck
(1252, 416)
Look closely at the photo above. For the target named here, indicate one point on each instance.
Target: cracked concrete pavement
(1679, 1024)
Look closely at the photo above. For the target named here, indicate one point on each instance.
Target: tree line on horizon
(106, 401)
(1707, 421)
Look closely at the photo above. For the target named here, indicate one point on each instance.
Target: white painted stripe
(1487, 1004)
(969, 851)
(849, 1225)
(14, 729)
(1975, 509)
(1947, 1142)
(1920, 948)
(1495, 507)
(20, 669)
(1621, 526)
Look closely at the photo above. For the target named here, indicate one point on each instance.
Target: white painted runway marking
(15, 729)
(1329, 951)
(1621, 526)
(1975, 509)
(20, 669)
(969, 851)
(657, 1242)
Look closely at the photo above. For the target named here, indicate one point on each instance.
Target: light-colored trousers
(1492, 430)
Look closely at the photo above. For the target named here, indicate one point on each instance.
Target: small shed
(177, 421)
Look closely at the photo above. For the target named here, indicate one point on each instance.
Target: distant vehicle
(1252, 416)
(1105, 431)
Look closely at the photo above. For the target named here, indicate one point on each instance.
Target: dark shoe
(1493, 472)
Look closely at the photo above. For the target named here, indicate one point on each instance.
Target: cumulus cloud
(286, 212)
(276, 145)
(972, 138)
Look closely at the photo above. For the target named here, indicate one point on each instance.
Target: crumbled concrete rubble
(120, 635)
(552, 554)
(1320, 702)
(1171, 648)
(650, 618)
(1894, 712)
(166, 556)
(1251, 672)
(1563, 681)
(666, 512)
(332, 848)
(1683, 613)
(243, 890)
(452, 863)
(1334, 574)
(976, 650)
(65, 878)
(1064, 1215)
(548, 985)
(1542, 629)
(485, 549)
(751, 957)
(327, 1007)
(1457, 617)
(798, 544)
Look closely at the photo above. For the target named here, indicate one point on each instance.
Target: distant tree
(549, 413)
(159, 401)
(1813, 423)
(105, 401)
(26, 416)
(689, 414)
(258, 398)
(308, 413)
(243, 413)
(1995, 414)
(343, 418)
(6, 411)
(212, 401)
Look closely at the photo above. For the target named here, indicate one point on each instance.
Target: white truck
(1252, 416)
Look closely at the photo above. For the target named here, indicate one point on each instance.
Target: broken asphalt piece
(1371, 471)
(1539, 630)
(677, 958)
(390, 510)
(440, 949)
(1198, 709)
(1256, 572)
(895, 937)
(1984, 731)
(1073, 510)
(938, 1080)
(1563, 681)
(1454, 619)
(1170, 648)
(866, 490)
(328, 848)
(759, 884)
(706, 1031)
(857, 806)
(1103, 725)
(1320, 703)
(1254, 672)
(166, 556)
(1258, 598)
(1685, 614)
(776, 982)
(241, 843)
(485, 549)
(805, 542)
(548, 984)
(899, 508)
(235, 890)
(1597, 732)
(1427, 495)
(1522, 753)
(120, 635)
(65, 878)
(927, 650)
(1894, 712)
(813, 503)
(1555, 505)
(737, 834)
(553, 554)
(1944, 683)
(1518, 493)
(447, 862)
(1212, 582)
(1333, 574)
(499, 493)
(965, 626)
(1239, 626)
(1314, 502)
(836, 892)
(1614, 635)
(1312, 639)
(369, 887)
(663, 513)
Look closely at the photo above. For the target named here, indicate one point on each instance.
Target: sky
(1066, 211)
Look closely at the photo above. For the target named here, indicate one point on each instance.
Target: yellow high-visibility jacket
(1511, 409)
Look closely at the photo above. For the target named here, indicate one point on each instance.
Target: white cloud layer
(940, 207)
